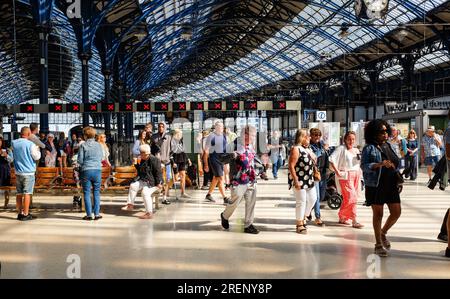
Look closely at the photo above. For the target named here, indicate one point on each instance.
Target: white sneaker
(185, 196)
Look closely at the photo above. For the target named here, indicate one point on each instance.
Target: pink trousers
(350, 196)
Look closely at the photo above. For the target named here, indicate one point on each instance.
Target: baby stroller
(333, 198)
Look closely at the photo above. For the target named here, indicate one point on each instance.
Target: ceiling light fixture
(186, 32)
(344, 30)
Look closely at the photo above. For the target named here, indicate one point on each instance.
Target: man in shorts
(431, 152)
(24, 154)
(216, 144)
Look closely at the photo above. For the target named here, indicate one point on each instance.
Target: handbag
(316, 173)
(399, 181)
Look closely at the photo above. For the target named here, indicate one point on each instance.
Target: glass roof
(297, 46)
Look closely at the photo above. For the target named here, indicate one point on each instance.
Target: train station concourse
(224, 140)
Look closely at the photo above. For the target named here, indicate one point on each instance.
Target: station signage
(436, 104)
(196, 105)
(215, 106)
(251, 105)
(162, 106)
(233, 105)
(279, 105)
(90, 108)
(126, 107)
(55, 108)
(179, 106)
(108, 107)
(394, 107)
(144, 107)
(28, 108)
(75, 108)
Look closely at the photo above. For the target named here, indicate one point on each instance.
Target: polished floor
(185, 240)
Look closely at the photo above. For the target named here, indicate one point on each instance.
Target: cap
(431, 128)
(50, 135)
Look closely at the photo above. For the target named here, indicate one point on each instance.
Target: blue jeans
(91, 177)
(320, 190)
(276, 164)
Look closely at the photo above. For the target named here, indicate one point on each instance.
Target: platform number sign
(29, 108)
(321, 116)
(161, 106)
(55, 108)
(233, 105)
(108, 107)
(215, 106)
(179, 106)
(251, 105)
(90, 107)
(196, 105)
(144, 107)
(126, 107)
(73, 108)
(279, 105)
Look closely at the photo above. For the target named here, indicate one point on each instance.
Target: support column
(374, 75)
(107, 116)
(346, 85)
(407, 64)
(85, 57)
(119, 115)
(43, 75)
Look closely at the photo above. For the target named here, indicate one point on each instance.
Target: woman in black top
(5, 169)
(380, 164)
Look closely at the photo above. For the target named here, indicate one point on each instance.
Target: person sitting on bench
(149, 179)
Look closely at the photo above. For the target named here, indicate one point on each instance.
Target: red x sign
(253, 105)
(76, 108)
(282, 105)
(146, 106)
(236, 106)
(93, 107)
(58, 108)
(110, 107)
(218, 106)
(128, 107)
(30, 108)
(182, 106)
(163, 106)
(200, 106)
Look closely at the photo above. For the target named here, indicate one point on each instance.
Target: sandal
(301, 229)
(380, 251)
(357, 225)
(344, 222)
(385, 241)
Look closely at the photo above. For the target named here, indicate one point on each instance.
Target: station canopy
(192, 50)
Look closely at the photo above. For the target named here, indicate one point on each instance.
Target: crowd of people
(233, 163)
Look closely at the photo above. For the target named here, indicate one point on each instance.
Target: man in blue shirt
(24, 153)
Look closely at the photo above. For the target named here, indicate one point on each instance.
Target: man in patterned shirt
(243, 181)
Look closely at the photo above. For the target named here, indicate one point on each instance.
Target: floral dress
(245, 164)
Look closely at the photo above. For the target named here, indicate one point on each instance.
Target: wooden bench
(46, 180)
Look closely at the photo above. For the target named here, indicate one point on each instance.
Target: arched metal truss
(235, 46)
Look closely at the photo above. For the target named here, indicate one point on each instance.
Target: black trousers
(444, 224)
(411, 167)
